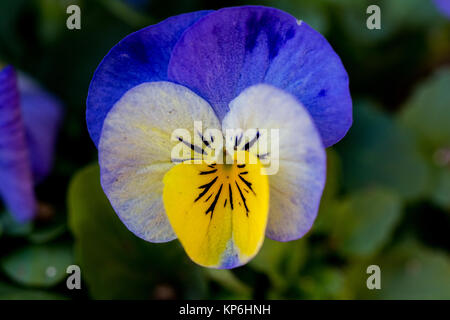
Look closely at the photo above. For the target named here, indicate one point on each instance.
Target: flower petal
(16, 183)
(42, 114)
(219, 219)
(296, 188)
(141, 57)
(135, 152)
(234, 48)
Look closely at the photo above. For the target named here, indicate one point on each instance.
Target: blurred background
(387, 197)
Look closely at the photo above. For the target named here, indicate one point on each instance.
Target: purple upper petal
(42, 115)
(234, 48)
(16, 183)
(141, 57)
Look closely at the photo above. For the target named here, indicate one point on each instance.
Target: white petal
(135, 152)
(296, 188)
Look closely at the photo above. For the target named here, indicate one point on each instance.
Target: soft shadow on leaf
(427, 113)
(324, 221)
(47, 234)
(396, 16)
(8, 292)
(323, 283)
(13, 228)
(38, 265)
(114, 262)
(364, 221)
(408, 271)
(228, 280)
(280, 261)
(378, 151)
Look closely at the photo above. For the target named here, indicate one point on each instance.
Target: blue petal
(234, 48)
(42, 114)
(141, 57)
(16, 183)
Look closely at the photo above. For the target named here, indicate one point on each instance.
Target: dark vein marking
(209, 197)
(202, 173)
(203, 140)
(237, 141)
(262, 156)
(225, 202)
(248, 184)
(244, 172)
(249, 144)
(231, 196)
(187, 159)
(240, 166)
(213, 204)
(212, 165)
(192, 146)
(206, 188)
(243, 198)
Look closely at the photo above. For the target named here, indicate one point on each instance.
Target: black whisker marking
(213, 204)
(206, 188)
(244, 172)
(248, 184)
(225, 202)
(231, 196)
(203, 140)
(193, 147)
(249, 144)
(187, 159)
(207, 172)
(209, 197)
(262, 156)
(243, 198)
(237, 141)
(240, 166)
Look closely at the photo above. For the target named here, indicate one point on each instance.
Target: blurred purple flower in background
(443, 6)
(29, 122)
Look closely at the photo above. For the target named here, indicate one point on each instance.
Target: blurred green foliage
(387, 198)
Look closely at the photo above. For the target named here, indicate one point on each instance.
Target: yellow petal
(218, 211)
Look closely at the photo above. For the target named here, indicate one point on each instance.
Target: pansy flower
(236, 70)
(29, 121)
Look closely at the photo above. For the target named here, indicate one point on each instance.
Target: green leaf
(441, 190)
(365, 220)
(323, 283)
(324, 221)
(13, 228)
(427, 112)
(228, 280)
(408, 271)
(8, 292)
(280, 261)
(396, 16)
(38, 265)
(380, 152)
(114, 262)
(47, 234)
